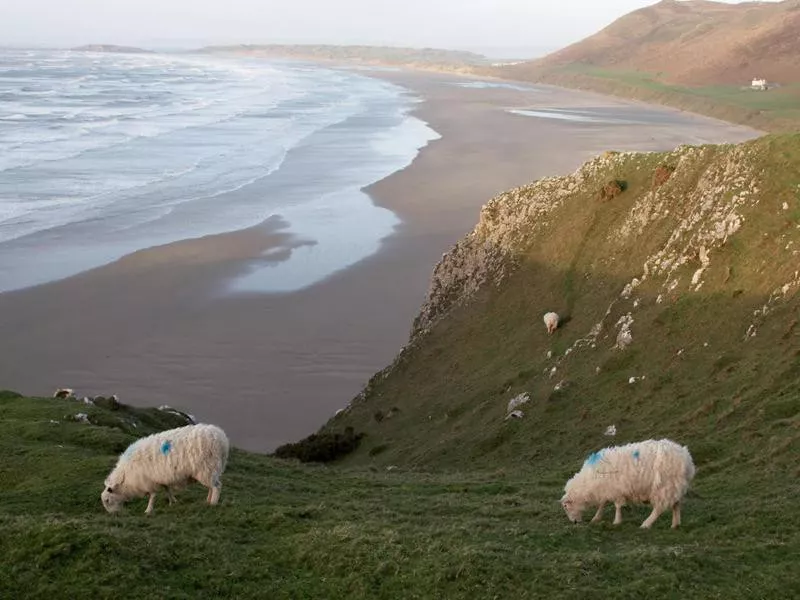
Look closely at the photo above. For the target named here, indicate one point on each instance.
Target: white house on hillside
(759, 84)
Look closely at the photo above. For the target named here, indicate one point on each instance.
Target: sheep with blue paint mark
(658, 472)
(168, 460)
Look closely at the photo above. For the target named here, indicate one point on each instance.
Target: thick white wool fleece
(170, 458)
(550, 321)
(657, 471)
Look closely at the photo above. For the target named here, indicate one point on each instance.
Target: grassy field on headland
(284, 530)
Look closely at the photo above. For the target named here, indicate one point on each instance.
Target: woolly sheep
(654, 471)
(551, 322)
(168, 459)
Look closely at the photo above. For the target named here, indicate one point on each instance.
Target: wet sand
(157, 327)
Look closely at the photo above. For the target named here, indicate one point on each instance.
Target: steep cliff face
(505, 229)
(676, 277)
(702, 219)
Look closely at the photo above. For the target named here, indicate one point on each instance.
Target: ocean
(105, 154)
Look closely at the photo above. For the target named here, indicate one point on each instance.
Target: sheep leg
(171, 496)
(150, 504)
(618, 513)
(648, 522)
(676, 515)
(598, 516)
(214, 489)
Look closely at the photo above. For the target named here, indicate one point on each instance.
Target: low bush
(612, 189)
(321, 447)
(662, 175)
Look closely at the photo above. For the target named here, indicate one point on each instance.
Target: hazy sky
(469, 24)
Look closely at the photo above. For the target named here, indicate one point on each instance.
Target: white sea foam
(125, 152)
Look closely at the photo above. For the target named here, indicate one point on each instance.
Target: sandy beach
(157, 327)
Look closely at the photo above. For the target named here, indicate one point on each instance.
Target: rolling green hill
(695, 253)
(695, 55)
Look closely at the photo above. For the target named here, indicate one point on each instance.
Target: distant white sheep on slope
(551, 322)
(654, 471)
(168, 459)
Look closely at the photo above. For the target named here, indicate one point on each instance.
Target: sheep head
(112, 497)
(573, 508)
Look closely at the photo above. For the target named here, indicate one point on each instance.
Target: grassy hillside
(289, 531)
(734, 396)
(710, 235)
(697, 42)
(699, 56)
(697, 250)
(717, 345)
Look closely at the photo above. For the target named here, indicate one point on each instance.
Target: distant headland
(111, 48)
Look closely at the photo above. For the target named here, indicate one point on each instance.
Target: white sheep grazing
(168, 459)
(551, 322)
(654, 471)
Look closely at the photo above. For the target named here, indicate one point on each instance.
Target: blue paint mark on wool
(636, 455)
(166, 447)
(594, 458)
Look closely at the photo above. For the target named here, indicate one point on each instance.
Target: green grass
(289, 531)
(775, 110)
